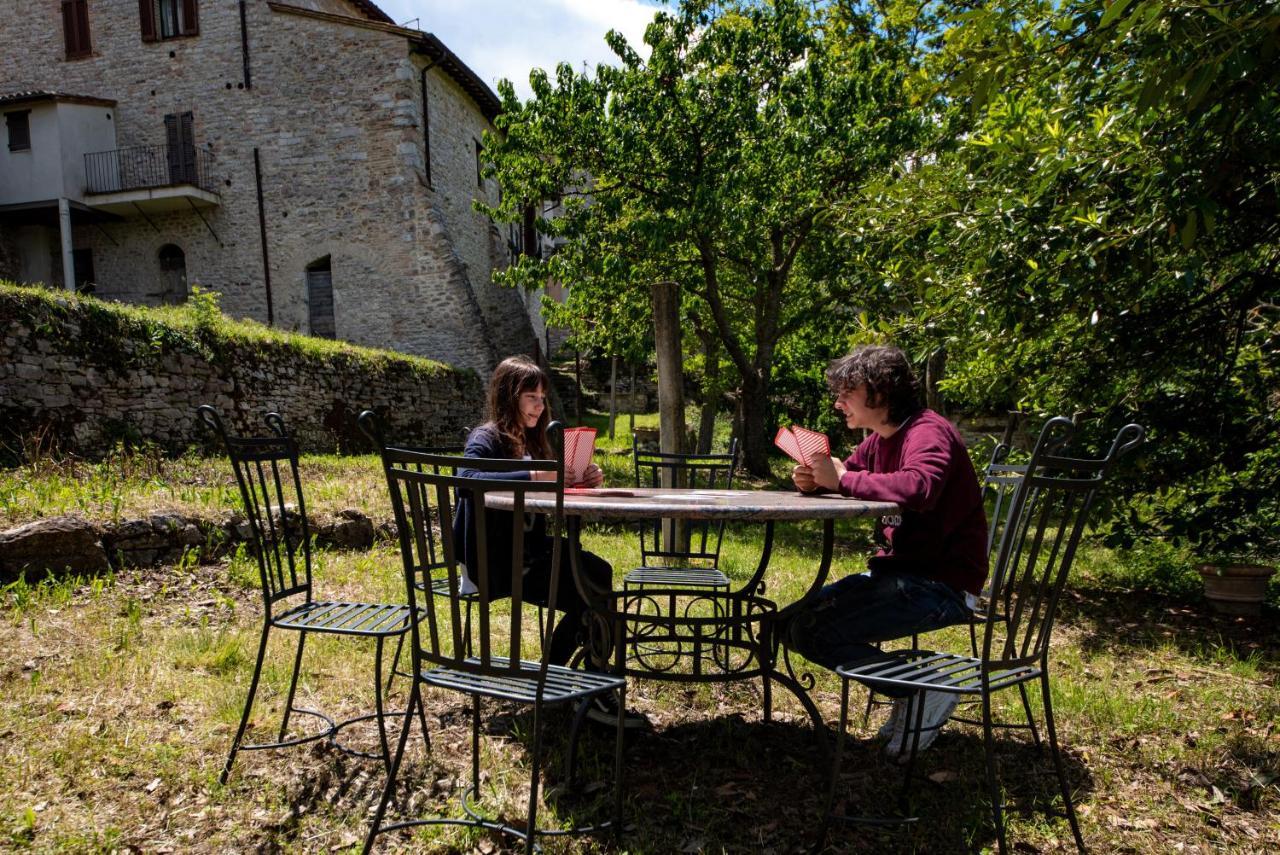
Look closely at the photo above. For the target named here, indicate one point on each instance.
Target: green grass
(119, 696)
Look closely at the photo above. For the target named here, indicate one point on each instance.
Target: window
(320, 298)
(173, 270)
(75, 28)
(19, 124)
(168, 19)
(479, 172)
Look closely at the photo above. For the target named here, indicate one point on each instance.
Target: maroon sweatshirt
(925, 469)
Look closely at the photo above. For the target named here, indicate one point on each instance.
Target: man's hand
(824, 474)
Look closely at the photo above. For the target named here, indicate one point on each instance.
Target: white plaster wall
(82, 129)
(33, 175)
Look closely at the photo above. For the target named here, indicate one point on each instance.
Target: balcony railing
(141, 167)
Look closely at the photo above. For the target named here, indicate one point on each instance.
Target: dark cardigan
(486, 442)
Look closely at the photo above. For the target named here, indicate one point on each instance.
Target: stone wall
(334, 110)
(89, 374)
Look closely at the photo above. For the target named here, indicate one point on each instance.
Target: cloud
(508, 38)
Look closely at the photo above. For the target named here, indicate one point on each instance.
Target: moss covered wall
(86, 375)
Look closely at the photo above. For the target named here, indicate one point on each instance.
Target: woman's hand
(593, 477)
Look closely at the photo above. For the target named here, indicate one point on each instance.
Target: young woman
(517, 429)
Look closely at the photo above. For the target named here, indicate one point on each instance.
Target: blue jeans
(849, 616)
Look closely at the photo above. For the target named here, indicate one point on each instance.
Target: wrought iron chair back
(417, 482)
(693, 543)
(266, 470)
(434, 576)
(1037, 541)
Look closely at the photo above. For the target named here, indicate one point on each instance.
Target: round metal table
(736, 636)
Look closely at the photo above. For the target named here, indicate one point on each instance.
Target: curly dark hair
(887, 375)
(514, 376)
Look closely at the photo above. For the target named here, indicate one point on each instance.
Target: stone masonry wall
(335, 113)
(87, 374)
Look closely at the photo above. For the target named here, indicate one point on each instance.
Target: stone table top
(649, 502)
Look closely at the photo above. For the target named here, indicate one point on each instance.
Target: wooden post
(613, 394)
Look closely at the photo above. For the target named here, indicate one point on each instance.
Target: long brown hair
(514, 376)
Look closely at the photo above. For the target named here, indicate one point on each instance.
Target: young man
(934, 555)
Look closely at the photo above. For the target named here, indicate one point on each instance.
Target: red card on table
(579, 447)
(802, 445)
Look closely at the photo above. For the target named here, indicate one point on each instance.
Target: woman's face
(532, 404)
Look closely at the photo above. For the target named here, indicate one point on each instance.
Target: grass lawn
(119, 696)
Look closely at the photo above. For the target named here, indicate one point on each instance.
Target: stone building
(311, 161)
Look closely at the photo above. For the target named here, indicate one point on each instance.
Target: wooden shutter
(320, 303)
(190, 18)
(180, 142)
(75, 28)
(147, 17)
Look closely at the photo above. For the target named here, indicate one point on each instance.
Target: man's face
(852, 404)
(531, 406)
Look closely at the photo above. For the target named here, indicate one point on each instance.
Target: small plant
(204, 308)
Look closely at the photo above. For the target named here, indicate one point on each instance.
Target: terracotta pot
(1236, 589)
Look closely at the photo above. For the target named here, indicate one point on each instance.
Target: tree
(713, 167)
(1096, 227)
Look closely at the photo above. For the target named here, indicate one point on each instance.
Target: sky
(506, 38)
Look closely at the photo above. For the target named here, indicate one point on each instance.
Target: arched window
(320, 298)
(173, 270)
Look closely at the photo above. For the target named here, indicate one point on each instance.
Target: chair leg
(377, 705)
(619, 743)
(415, 699)
(1031, 720)
(422, 715)
(248, 705)
(293, 684)
(829, 806)
(475, 747)
(914, 713)
(531, 823)
(395, 662)
(993, 783)
(1057, 762)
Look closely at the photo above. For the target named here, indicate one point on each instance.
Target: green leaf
(1188, 233)
(1114, 11)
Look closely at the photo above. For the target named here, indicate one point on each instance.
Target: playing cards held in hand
(802, 445)
(579, 447)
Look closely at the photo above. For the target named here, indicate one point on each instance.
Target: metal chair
(999, 483)
(433, 568)
(266, 469)
(1041, 529)
(685, 556)
(492, 665)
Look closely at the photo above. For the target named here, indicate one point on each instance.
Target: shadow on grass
(736, 785)
(1112, 621)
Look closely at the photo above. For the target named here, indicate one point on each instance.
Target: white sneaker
(938, 707)
(893, 726)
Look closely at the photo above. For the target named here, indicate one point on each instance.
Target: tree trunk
(710, 393)
(666, 333)
(577, 382)
(631, 396)
(613, 394)
(754, 441)
(933, 369)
